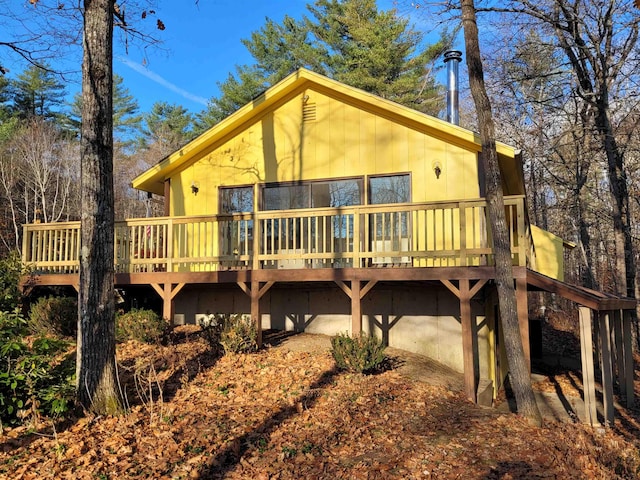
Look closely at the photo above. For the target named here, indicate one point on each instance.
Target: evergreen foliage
(10, 271)
(5, 97)
(169, 126)
(239, 335)
(33, 380)
(56, 316)
(236, 91)
(141, 325)
(37, 92)
(234, 333)
(378, 52)
(363, 353)
(127, 121)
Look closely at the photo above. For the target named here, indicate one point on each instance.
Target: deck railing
(399, 235)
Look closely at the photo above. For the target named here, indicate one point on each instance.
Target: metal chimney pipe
(451, 59)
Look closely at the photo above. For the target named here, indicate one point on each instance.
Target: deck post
(606, 367)
(255, 310)
(167, 304)
(588, 377)
(627, 339)
(468, 333)
(618, 344)
(356, 309)
(596, 336)
(522, 306)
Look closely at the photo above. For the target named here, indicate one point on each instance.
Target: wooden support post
(605, 363)
(596, 337)
(356, 309)
(494, 354)
(167, 304)
(255, 310)
(468, 332)
(167, 292)
(616, 340)
(588, 377)
(523, 317)
(627, 339)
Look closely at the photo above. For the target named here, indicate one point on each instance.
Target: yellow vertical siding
(342, 140)
(549, 253)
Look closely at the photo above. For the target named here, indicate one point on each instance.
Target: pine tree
(5, 96)
(235, 92)
(37, 92)
(168, 126)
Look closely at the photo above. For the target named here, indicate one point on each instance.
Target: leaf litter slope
(283, 414)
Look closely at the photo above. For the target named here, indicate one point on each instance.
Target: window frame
(223, 188)
(360, 180)
(387, 175)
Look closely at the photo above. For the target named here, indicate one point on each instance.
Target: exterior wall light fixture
(195, 188)
(437, 169)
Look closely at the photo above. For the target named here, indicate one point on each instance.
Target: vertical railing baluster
(26, 236)
(258, 247)
(462, 214)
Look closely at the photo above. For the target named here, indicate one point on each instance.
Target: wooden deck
(440, 234)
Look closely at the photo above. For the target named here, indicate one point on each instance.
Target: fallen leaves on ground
(279, 414)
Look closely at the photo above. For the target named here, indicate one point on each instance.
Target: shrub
(10, 271)
(235, 333)
(363, 354)
(141, 325)
(32, 378)
(54, 316)
(212, 327)
(239, 334)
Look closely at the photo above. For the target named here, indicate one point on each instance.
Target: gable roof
(152, 180)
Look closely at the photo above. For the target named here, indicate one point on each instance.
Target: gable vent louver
(309, 112)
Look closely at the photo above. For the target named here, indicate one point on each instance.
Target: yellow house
(319, 207)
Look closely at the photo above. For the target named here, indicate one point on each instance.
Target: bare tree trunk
(518, 368)
(97, 384)
(587, 277)
(625, 259)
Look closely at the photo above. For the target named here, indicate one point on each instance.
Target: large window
(389, 231)
(236, 237)
(236, 199)
(332, 232)
(390, 189)
(316, 194)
